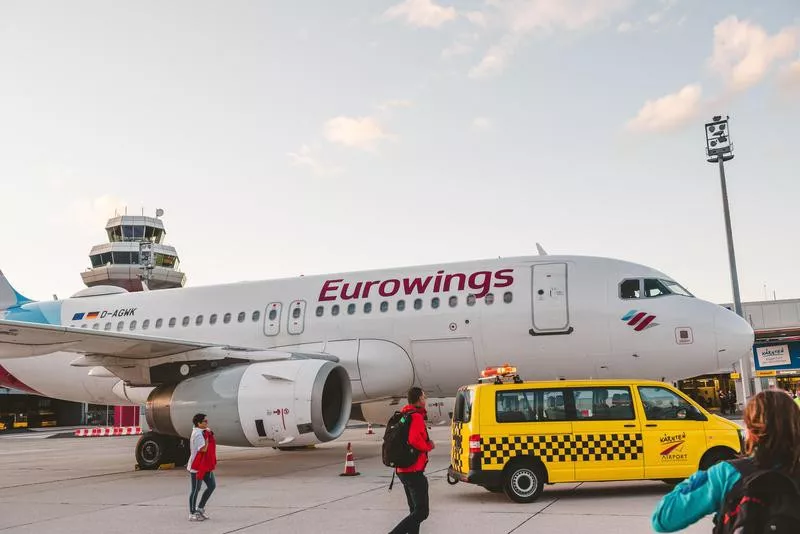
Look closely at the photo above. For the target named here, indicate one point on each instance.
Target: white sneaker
(202, 512)
(196, 517)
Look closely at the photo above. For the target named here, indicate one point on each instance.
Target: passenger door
(272, 319)
(297, 317)
(674, 433)
(550, 302)
(606, 434)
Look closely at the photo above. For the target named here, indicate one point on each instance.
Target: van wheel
(524, 482)
(715, 456)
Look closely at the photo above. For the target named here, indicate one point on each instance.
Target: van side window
(661, 404)
(524, 405)
(630, 289)
(603, 404)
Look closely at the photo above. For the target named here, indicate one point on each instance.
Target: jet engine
(286, 403)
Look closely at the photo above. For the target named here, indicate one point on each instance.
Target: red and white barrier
(100, 431)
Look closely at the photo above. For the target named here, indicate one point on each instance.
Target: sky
(308, 136)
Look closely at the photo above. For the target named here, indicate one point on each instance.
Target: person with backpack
(757, 493)
(406, 447)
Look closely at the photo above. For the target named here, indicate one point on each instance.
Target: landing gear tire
(154, 449)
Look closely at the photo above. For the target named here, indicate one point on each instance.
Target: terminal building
(135, 259)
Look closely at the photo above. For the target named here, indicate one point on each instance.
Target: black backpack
(396, 451)
(763, 501)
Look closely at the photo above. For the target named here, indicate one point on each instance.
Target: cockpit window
(654, 288)
(630, 289)
(676, 288)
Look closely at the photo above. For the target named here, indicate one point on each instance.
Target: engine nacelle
(291, 402)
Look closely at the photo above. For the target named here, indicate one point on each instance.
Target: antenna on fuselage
(542, 251)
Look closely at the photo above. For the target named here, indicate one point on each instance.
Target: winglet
(541, 250)
(9, 298)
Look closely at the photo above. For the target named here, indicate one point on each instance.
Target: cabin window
(367, 307)
(630, 289)
(384, 306)
(453, 301)
(470, 300)
(96, 326)
(273, 314)
(186, 320)
(133, 325)
(335, 310)
(107, 327)
(172, 322)
(199, 320)
(159, 323)
(226, 318)
(212, 319)
(120, 326)
(401, 305)
(489, 299)
(241, 317)
(256, 316)
(417, 304)
(320, 311)
(145, 324)
(508, 297)
(351, 309)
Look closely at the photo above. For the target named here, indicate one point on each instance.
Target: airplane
(286, 363)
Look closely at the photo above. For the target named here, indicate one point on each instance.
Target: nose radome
(734, 337)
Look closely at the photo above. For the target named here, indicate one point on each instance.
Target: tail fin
(9, 298)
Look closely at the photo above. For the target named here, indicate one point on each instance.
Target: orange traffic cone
(349, 464)
(369, 429)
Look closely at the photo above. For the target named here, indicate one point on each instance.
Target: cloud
(356, 132)
(789, 79)
(304, 158)
(481, 124)
(744, 52)
(395, 103)
(495, 59)
(521, 18)
(421, 13)
(477, 18)
(669, 112)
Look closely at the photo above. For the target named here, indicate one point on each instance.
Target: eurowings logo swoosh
(639, 320)
(671, 448)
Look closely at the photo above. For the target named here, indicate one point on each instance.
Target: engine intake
(290, 402)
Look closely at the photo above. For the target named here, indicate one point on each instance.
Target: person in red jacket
(202, 461)
(413, 478)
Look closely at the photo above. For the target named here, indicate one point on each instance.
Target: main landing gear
(154, 450)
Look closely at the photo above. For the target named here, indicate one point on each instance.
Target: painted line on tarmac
(543, 509)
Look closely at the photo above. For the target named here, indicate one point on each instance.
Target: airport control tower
(135, 253)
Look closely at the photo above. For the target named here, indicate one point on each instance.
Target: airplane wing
(21, 340)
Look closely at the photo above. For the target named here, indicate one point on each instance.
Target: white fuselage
(551, 316)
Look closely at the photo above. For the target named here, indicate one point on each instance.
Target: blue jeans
(211, 484)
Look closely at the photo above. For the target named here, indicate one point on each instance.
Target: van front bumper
(481, 478)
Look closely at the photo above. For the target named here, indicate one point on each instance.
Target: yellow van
(515, 436)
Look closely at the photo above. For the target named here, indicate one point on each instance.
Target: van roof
(571, 383)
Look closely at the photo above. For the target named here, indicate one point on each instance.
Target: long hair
(773, 431)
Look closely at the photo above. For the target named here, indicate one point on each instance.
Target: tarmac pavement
(89, 485)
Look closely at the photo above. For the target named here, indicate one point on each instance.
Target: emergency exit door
(550, 299)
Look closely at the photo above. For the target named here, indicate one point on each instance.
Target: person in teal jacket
(773, 442)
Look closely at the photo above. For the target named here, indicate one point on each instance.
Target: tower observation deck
(135, 251)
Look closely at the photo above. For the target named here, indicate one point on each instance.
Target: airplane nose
(734, 337)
